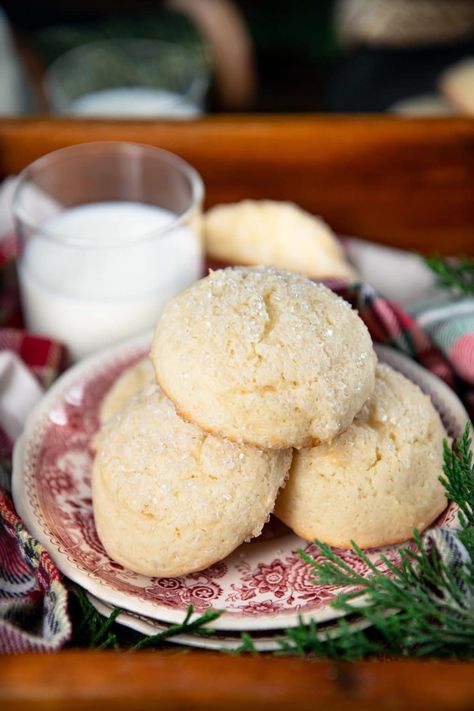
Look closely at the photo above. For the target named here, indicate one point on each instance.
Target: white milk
(133, 101)
(113, 284)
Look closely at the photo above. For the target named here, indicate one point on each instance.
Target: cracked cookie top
(378, 480)
(170, 499)
(264, 357)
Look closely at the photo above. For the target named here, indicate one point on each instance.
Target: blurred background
(183, 58)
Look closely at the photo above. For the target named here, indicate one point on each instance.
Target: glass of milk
(109, 232)
(128, 78)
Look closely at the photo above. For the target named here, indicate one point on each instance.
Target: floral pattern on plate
(264, 584)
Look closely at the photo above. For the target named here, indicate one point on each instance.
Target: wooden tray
(408, 183)
(404, 182)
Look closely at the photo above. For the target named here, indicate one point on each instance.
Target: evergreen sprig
(459, 482)
(187, 626)
(94, 631)
(418, 609)
(455, 273)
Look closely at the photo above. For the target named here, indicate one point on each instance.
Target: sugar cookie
(129, 383)
(169, 499)
(378, 480)
(278, 233)
(264, 357)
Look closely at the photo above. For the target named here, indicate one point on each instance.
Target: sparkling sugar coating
(264, 356)
(170, 499)
(378, 480)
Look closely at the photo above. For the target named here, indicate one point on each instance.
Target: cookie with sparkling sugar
(277, 233)
(129, 383)
(378, 480)
(264, 357)
(170, 499)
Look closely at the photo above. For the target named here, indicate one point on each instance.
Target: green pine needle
(459, 479)
(247, 644)
(417, 610)
(185, 627)
(94, 631)
(455, 273)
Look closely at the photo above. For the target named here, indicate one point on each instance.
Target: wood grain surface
(398, 181)
(109, 681)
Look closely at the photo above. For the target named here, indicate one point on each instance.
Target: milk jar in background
(131, 101)
(109, 232)
(129, 77)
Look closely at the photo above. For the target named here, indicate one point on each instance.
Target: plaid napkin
(33, 599)
(427, 322)
(449, 322)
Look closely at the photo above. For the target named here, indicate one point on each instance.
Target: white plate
(262, 585)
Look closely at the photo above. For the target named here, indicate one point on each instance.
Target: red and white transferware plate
(263, 585)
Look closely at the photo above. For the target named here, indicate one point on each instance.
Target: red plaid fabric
(391, 325)
(33, 599)
(10, 309)
(44, 357)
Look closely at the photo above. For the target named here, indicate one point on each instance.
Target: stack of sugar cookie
(258, 376)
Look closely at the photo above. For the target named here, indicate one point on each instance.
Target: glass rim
(196, 182)
(200, 74)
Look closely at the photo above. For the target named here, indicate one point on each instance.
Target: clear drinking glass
(108, 233)
(128, 77)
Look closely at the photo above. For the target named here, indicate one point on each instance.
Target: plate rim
(211, 642)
